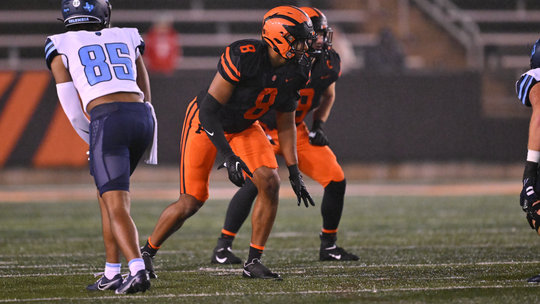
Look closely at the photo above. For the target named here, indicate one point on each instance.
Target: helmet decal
(89, 7)
(285, 29)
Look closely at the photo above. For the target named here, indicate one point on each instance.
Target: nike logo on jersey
(221, 261)
(209, 133)
(324, 77)
(84, 131)
(287, 80)
(335, 256)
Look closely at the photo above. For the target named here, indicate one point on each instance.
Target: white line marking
(243, 294)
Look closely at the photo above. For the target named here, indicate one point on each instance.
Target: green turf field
(413, 250)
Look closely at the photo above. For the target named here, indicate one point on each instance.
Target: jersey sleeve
(50, 52)
(229, 66)
(334, 64)
(524, 85)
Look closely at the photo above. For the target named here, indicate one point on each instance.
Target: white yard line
(170, 192)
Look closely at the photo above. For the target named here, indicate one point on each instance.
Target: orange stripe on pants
(61, 146)
(19, 109)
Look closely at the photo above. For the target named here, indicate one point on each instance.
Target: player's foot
(132, 284)
(149, 263)
(256, 270)
(335, 253)
(535, 279)
(105, 284)
(224, 256)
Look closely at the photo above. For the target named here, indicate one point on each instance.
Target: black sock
(148, 248)
(328, 239)
(225, 241)
(240, 206)
(254, 253)
(332, 204)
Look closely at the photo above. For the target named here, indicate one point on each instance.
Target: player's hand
(316, 135)
(528, 194)
(235, 166)
(298, 186)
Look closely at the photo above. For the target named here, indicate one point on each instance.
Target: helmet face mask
(77, 12)
(324, 33)
(289, 32)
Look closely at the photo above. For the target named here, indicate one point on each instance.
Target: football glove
(316, 135)
(235, 166)
(298, 186)
(528, 194)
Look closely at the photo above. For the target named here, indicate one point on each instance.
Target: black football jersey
(259, 87)
(325, 71)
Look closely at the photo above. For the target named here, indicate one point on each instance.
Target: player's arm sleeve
(50, 52)
(523, 87)
(208, 115)
(69, 99)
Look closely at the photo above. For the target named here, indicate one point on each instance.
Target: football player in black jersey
(315, 158)
(253, 78)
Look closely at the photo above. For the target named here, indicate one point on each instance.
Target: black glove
(316, 135)
(528, 195)
(235, 166)
(298, 186)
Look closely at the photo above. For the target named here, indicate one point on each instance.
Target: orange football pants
(317, 162)
(198, 153)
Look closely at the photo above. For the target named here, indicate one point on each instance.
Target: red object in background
(162, 49)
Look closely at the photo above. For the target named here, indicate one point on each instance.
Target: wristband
(317, 124)
(533, 156)
(293, 170)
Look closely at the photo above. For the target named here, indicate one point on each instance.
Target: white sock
(135, 265)
(112, 269)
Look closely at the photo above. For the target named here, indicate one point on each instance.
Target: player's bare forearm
(287, 136)
(534, 126)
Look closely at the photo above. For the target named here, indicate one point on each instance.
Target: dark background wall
(407, 117)
(411, 117)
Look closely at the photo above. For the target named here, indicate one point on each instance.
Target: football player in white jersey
(528, 92)
(102, 69)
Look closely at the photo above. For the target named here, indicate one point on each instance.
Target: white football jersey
(100, 63)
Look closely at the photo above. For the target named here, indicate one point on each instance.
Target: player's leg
(237, 213)
(196, 161)
(254, 148)
(112, 278)
(321, 165)
(117, 129)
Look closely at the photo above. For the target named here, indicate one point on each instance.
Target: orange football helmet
(320, 25)
(286, 29)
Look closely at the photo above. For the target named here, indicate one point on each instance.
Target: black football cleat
(133, 284)
(149, 264)
(535, 279)
(335, 253)
(256, 270)
(105, 284)
(224, 256)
